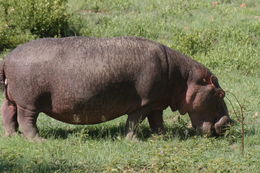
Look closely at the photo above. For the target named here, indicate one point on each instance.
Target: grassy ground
(223, 35)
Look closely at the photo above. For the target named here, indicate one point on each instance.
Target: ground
(223, 35)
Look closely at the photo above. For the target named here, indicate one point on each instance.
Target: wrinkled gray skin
(80, 80)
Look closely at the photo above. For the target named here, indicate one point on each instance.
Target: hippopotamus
(86, 80)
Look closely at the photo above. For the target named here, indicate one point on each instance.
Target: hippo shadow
(114, 132)
(84, 132)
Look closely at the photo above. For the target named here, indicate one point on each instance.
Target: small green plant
(241, 120)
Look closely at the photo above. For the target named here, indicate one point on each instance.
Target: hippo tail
(2, 75)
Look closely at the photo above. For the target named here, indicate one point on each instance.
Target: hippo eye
(203, 81)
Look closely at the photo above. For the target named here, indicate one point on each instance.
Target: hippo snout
(217, 129)
(222, 125)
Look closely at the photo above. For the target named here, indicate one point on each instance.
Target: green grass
(224, 37)
(102, 148)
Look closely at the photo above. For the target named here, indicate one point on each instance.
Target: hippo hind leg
(155, 119)
(9, 113)
(27, 122)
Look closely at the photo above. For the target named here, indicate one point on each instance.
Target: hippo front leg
(27, 121)
(133, 120)
(155, 119)
(9, 113)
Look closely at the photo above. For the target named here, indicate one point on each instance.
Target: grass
(102, 148)
(224, 37)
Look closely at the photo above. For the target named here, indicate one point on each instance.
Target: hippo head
(204, 102)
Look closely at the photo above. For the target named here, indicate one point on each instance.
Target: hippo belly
(114, 102)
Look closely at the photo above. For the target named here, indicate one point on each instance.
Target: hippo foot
(37, 138)
(131, 136)
(160, 131)
(9, 133)
(155, 120)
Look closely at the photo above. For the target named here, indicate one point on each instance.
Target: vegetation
(224, 35)
(24, 20)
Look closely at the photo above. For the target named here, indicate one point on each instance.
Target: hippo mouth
(212, 128)
(216, 129)
(222, 125)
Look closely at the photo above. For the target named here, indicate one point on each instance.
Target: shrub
(192, 43)
(23, 20)
(229, 47)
